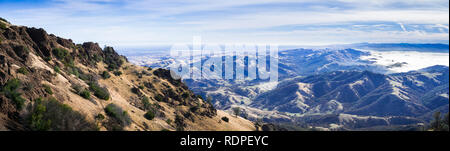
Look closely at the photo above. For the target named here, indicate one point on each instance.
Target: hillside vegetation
(51, 83)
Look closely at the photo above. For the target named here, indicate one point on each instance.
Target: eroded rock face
(2, 59)
(165, 74)
(92, 48)
(9, 34)
(21, 51)
(65, 42)
(41, 41)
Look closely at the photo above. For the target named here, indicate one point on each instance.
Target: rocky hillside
(51, 83)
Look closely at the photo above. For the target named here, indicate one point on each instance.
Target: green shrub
(38, 99)
(22, 70)
(2, 25)
(38, 123)
(47, 59)
(105, 75)
(64, 56)
(74, 71)
(68, 62)
(150, 115)
(117, 73)
(115, 112)
(225, 119)
(141, 87)
(109, 110)
(85, 94)
(97, 58)
(78, 89)
(146, 102)
(11, 85)
(60, 53)
(57, 69)
(100, 116)
(159, 98)
(135, 90)
(99, 92)
(169, 121)
(19, 101)
(185, 95)
(86, 77)
(48, 89)
(51, 115)
(10, 91)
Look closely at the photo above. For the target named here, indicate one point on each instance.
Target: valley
(338, 88)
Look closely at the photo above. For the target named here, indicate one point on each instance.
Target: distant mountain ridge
(442, 48)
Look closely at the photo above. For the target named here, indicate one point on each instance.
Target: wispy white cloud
(131, 22)
(330, 36)
(270, 19)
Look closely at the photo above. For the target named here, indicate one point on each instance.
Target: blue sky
(133, 23)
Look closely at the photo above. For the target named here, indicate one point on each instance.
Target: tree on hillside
(236, 111)
(446, 119)
(439, 124)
